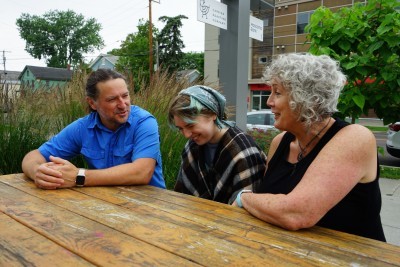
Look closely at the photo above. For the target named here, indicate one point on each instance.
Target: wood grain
(209, 233)
(21, 246)
(91, 240)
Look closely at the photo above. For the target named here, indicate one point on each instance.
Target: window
(259, 100)
(262, 60)
(303, 19)
(266, 22)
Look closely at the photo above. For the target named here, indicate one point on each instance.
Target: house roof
(48, 73)
(9, 75)
(191, 74)
(111, 58)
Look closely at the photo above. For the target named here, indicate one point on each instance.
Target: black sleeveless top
(358, 213)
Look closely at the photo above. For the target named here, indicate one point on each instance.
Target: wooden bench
(145, 225)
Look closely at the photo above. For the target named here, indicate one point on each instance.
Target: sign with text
(212, 12)
(256, 30)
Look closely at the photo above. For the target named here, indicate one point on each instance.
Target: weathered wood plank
(172, 233)
(347, 243)
(238, 233)
(89, 239)
(268, 235)
(21, 246)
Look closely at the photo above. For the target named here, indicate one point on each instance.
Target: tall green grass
(37, 115)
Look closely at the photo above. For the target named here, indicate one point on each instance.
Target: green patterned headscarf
(204, 96)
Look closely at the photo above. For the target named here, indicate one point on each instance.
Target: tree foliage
(365, 39)
(60, 37)
(192, 60)
(134, 53)
(170, 43)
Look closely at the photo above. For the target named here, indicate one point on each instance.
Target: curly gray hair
(313, 83)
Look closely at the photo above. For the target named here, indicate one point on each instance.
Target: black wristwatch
(80, 178)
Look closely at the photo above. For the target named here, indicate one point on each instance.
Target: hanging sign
(256, 30)
(212, 12)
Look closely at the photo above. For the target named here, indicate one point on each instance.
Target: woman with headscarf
(219, 159)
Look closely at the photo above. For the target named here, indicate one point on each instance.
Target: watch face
(80, 180)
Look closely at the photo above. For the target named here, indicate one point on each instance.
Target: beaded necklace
(300, 156)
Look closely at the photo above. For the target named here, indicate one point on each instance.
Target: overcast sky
(117, 17)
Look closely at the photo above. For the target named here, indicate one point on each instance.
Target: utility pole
(157, 57)
(5, 85)
(151, 41)
(4, 60)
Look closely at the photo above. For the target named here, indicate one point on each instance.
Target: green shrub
(263, 138)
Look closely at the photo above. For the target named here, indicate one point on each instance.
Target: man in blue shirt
(120, 142)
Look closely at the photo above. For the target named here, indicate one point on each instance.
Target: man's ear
(91, 103)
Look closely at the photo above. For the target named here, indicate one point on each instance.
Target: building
(291, 17)
(284, 23)
(33, 77)
(104, 61)
(190, 76)
(10, 86)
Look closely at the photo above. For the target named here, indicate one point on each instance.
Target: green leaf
(349, 65)
(359, 100)
(362, 70)
(375, 46)
(383, 29)
(388, 76)
(336, 38)
(345, 45)
(392, 41)
(339, 25)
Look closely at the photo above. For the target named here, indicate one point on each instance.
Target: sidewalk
(390, 213)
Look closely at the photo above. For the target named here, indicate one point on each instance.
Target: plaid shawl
(238, 163)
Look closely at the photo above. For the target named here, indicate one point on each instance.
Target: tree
(192, 60)
(170, 43)
(134, 53)
(60, 37)
(365, 40)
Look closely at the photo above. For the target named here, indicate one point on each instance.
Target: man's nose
(121, 102)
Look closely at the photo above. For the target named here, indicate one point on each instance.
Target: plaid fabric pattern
(238, 163)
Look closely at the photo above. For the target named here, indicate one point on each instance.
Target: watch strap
(239, 195)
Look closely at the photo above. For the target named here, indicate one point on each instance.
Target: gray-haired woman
(321, 170)
(219, 159)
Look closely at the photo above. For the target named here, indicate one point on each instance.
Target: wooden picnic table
(145, 225)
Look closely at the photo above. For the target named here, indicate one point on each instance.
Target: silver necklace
(302, 152)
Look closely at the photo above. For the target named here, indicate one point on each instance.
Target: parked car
(393, 139)
(261, 120)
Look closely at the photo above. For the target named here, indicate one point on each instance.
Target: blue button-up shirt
(103, 148)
